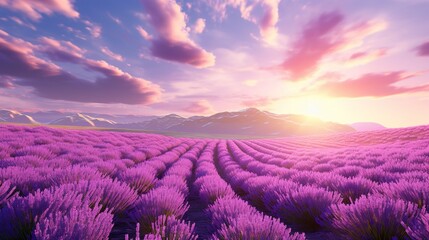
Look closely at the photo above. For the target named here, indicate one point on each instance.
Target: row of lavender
(57, 184)
(372, 192)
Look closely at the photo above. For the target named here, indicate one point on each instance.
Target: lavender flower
(160, 201)
(256, 227)
(81, 223)
(372, 217)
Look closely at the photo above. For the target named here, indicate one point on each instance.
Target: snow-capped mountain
(83, 120)
(15, 117)
(255, 122)
(250, 122)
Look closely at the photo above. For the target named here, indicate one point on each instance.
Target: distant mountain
(50, 116)
(83, 120)
(367, 126)
(15, 117)
(252, 121)
(164, 123)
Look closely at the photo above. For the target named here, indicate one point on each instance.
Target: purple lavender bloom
(256, 227)
(6, 192)
(168, 227)
(81, 223)
(26, 180)
(378, 176)
(225, 209)
(372, 217)
(419, 230)
(416, 192)
(348, 171)
(159, 201)
(19, 217)
(352, 189)
(111, 194)
(302, 206)
(174, 182)
(210, 191)
(74, 174)
(140, 179)
(273, 192)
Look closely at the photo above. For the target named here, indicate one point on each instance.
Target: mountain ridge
(250, 121)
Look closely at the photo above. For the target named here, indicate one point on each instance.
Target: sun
(313, 108)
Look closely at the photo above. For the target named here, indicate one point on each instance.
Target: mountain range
(250, 122)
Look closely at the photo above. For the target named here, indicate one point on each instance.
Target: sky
(340, 60)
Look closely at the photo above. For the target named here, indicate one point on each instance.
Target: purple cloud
(370, 85)
(199, 107)
(35, 9)
(6, 82)
(112, 55)
(423, 49)
(313, 44)
(322, 37)
(172, 42)
(266, 22)
(50, 81)
(258, 102)
(361, 58)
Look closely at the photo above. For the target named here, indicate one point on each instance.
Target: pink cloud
(423, 49)
(258, 102)
(35, 9)
(199, 25)
(370, 85)
(313, 44)
(22, 23)
(267, 23)
(322, 37)
(199, 107)
(6, 82)
(50, 81)
(361, 58)
(145, 35)
(64, 51)
(111, 54)
(173, 42)
(93, 29)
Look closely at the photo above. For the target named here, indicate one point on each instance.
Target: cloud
(199, 26)
(93, 29)
(22, 23)
(50, 81)
(199, 107)
(257, 102)
(267, 22)
(35, 9)
(115, 19)
(6, 82)
(172, 42)
(370, 85)
(143, 33)
(362, 58)
(423, 49)
(322, 37)
(183, 52)
(64, 51)
(111, 54)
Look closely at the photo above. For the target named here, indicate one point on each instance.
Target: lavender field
(71, 184)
